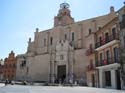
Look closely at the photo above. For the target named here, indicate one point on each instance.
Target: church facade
(64, 52)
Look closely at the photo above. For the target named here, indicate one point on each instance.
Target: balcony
(89, 52)
(90, 67)
(105, 42)
(107, 62)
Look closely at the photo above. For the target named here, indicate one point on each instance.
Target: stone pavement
(54, 89)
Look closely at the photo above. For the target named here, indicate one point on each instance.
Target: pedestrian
(76, 83)
(9, 81)
(6, 82)
(71, 82)
(82, 83)
(12, 82)
(60, 81)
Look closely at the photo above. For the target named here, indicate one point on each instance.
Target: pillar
(52, 72)
(101, 78)
(67, 70)
(113, 79)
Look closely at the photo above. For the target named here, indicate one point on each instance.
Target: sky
(20, 18)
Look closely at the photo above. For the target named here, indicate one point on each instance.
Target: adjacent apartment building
(121, 14)
(67, 51)
(9, 67)
(107, 55)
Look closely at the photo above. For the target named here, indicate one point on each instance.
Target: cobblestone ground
(52, 89)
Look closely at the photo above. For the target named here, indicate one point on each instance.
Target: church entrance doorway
(61, 72)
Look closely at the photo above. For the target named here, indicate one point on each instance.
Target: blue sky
(20, 18)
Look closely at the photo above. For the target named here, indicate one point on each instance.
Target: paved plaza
(53, 89)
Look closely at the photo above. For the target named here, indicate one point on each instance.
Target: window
(90, 31)
(65, 36)
(61, 57)
(122, 21)
(99, 27)
(44, 42)
(116, 52)
(100, 40)
(90, 46)
(24, 62)
(114, 33)
(123, 17)
(107, 37)
(101, 58)
(51, 40)
(72, 36)
(108, 56)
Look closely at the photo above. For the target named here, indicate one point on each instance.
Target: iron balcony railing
(106, 40)
(107, 61)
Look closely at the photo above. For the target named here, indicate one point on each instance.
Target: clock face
(64, 5)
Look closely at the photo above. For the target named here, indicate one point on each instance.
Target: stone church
(59, 53)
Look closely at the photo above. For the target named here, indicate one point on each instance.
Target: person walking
(6, 82)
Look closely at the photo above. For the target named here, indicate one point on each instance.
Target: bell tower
(63, 17)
